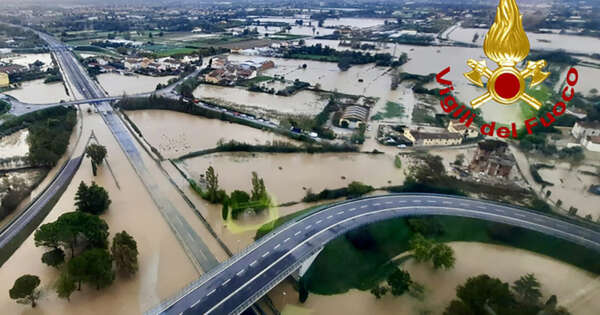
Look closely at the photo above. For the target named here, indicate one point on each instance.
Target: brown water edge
(164, 267)
(576, 289)
(116, 84)
(38, 92)
(175, 134)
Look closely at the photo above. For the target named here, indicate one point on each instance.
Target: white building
(584, 129)
(591, 143)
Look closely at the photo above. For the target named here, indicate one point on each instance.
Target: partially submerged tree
(97, 153)
(125, 253)
(92, 199)
(25, 290)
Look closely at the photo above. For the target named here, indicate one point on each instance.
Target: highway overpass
(242, 280)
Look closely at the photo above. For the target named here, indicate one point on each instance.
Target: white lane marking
(464, 204)
(209, 293)
(417, 201)
(290, 252)
(481, 207)
(520, 215)
(265, 254)
(401, 201)
(329, 217)
(362, 207)
(308, 227)
(253, 263)
(377, 204)
(319, 221)
(240, 273)
(352, 209)
(447, 202)
(194, 305)
(296, 234)
(226, 282)
(500, 210)
(431, 201)
(276, 246)
(341, 212)
(287, 239)
(388, 202)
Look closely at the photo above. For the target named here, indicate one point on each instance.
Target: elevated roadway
(237, 283)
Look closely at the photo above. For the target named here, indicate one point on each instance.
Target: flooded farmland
(38, 92)
(289, 176)
(574, 287)
(116, 84)
(303, 102)
(181, 133)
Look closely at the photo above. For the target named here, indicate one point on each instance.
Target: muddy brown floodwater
(289, 176)
(116, 84)
(576, 289)
(164, 266)
(181, 133)
(38, 92)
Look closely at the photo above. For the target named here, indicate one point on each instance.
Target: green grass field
(392, 110)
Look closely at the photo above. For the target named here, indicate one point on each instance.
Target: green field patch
(392, 110)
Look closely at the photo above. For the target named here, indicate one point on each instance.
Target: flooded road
(175, 134)
(132, 210)
(576, 289)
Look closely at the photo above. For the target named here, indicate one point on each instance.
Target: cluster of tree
(424, 250)
(27, 38)
(294, 88)
(358, 136)
(85, 237)
(344, 58)
(353, 190)
(487, 295)
(48, 138)
(538, 142)
(92, 199)
(398, 283)
(187, 87)
(96, 153)
(4, 107)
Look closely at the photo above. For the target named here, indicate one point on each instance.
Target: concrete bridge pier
(298, 273)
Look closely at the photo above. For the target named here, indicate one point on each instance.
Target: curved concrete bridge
(236, 284)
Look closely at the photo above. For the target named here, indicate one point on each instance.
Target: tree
(379, 291)
(54, 257)
(259, 191)
(70, 229)
(527, 289)
(92, 199)
(25, 290)
(558, 203)
(442, 256)
(212, 184)
(548, 193)
(421, 248)
(125, 253)
(93, 266)
(96, 153)
(482, 295)
(65, 286)
(460, 159)
(399, 282)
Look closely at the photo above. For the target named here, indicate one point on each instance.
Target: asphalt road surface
(236, 284)
(22, 221)
(194, 246)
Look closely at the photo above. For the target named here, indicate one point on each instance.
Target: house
(577, 112)
(584, 129)
(12, 69)
(266, 65)
(591, 143)
(4, 80)
(132, 64)
(214, 76)
(422, 137)
(493, 158)
(354, 116)
(455, 126)
(218, 62)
